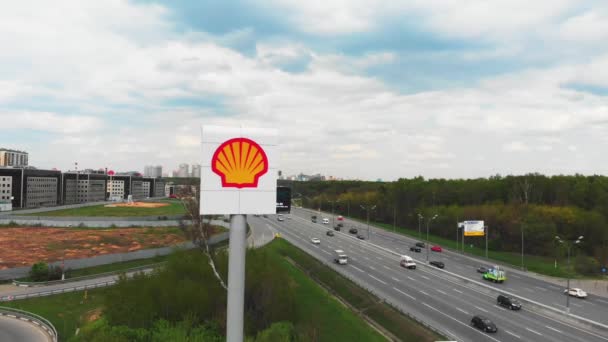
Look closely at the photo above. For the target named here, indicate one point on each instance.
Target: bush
(277, 332)
(40, 271)
(586, 265)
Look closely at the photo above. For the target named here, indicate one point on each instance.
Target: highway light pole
(568, 245)
(428, 223)
(367, 208)
(485, 228)
(522, 247)
(420, 217)
(332, 212)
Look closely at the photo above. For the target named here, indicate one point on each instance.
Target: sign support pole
(486, 233)
(236, 279)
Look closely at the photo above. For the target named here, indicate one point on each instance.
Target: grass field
(315, 307)
(175, 207)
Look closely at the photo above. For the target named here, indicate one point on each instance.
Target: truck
(313, 218)
(495, 274)
(340, 257)
(407, 262)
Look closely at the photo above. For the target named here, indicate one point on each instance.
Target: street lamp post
(332, 212)
(420, 217)
(367, 208)
(428, 223)
(568, 245)
(522, 247)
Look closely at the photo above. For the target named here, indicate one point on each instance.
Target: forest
(537, 206)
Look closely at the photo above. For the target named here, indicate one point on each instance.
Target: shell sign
(238, 171)
(240, 162)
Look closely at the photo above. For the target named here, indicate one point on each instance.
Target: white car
(316, 241)
(325, 220)
(576, 292)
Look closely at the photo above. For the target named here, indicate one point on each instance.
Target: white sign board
(238, 171)
(473, 228)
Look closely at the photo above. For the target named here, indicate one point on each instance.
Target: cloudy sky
(358, 89)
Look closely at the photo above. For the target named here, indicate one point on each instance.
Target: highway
(593, 307)
(16, 330)
(425, 292)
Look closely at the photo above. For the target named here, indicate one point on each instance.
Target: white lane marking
(395, 279)
(457, 291)
(464, 312)
(353, 259)
(534, 331)
(563, 306)
(425, 277)
(379, 258)
(527, 289)
(424, 292)
(587, 302)
(603, 301)
(403, 293)
(366, 258)
(372, 267)
(441, 292)
(478, 308)
(540, 288)
(555, 287)
(410, 278)
(577, 305)
(326, 252)
(388, 268)
(330, 247)
(512, 334)
(357, 268)
(383, 282)
(552, 328)
(514, 276)
(459, 322)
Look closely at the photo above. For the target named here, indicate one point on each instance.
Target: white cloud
(515, 146)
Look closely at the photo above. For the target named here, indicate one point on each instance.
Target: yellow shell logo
(240, 162)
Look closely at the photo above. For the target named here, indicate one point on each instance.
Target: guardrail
(58, 291)
(90, 276)
(40, 321)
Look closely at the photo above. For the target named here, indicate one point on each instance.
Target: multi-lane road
(427, 293)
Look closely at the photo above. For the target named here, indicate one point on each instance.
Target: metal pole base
(236, 279)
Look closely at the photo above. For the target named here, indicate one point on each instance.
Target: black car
(482, 269)
(329, 233)
(508, 302)
(415, 249)
(353, 230)
(420, 244)
(360, 237)
(439, 264)
(484, 324)
(337, 228)
(340, 224)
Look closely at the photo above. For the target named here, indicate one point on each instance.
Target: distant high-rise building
(183, 170)
(153, 171)
(13, 157)
(196, 170)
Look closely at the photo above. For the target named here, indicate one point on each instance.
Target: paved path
(16, 330)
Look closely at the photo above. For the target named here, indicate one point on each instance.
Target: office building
(196, 171)
(6, 188)
(13, 158)
(153, 171)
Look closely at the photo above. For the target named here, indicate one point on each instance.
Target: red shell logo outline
(240, 162)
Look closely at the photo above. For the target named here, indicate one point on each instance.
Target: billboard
(238, 171)
(283, 199)
(473, 228)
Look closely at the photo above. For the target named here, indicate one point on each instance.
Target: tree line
(541, 206)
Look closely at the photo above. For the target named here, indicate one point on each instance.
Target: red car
(436, 249)
(340, 218)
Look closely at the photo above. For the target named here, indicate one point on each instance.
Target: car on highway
(313, 218)
(325, 220)
(415, 249)
(436, 263)
(481, 322)
(316, 241)
(360, 237)
(436, 249)
(337, 228)
(407, 262)
(353, 230)
(340, 218)
(576, 292)
(329, 233)
(482, 269)
(508, 302)
(420, 244)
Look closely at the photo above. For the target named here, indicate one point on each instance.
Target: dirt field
(137, 205)
(26, 246)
